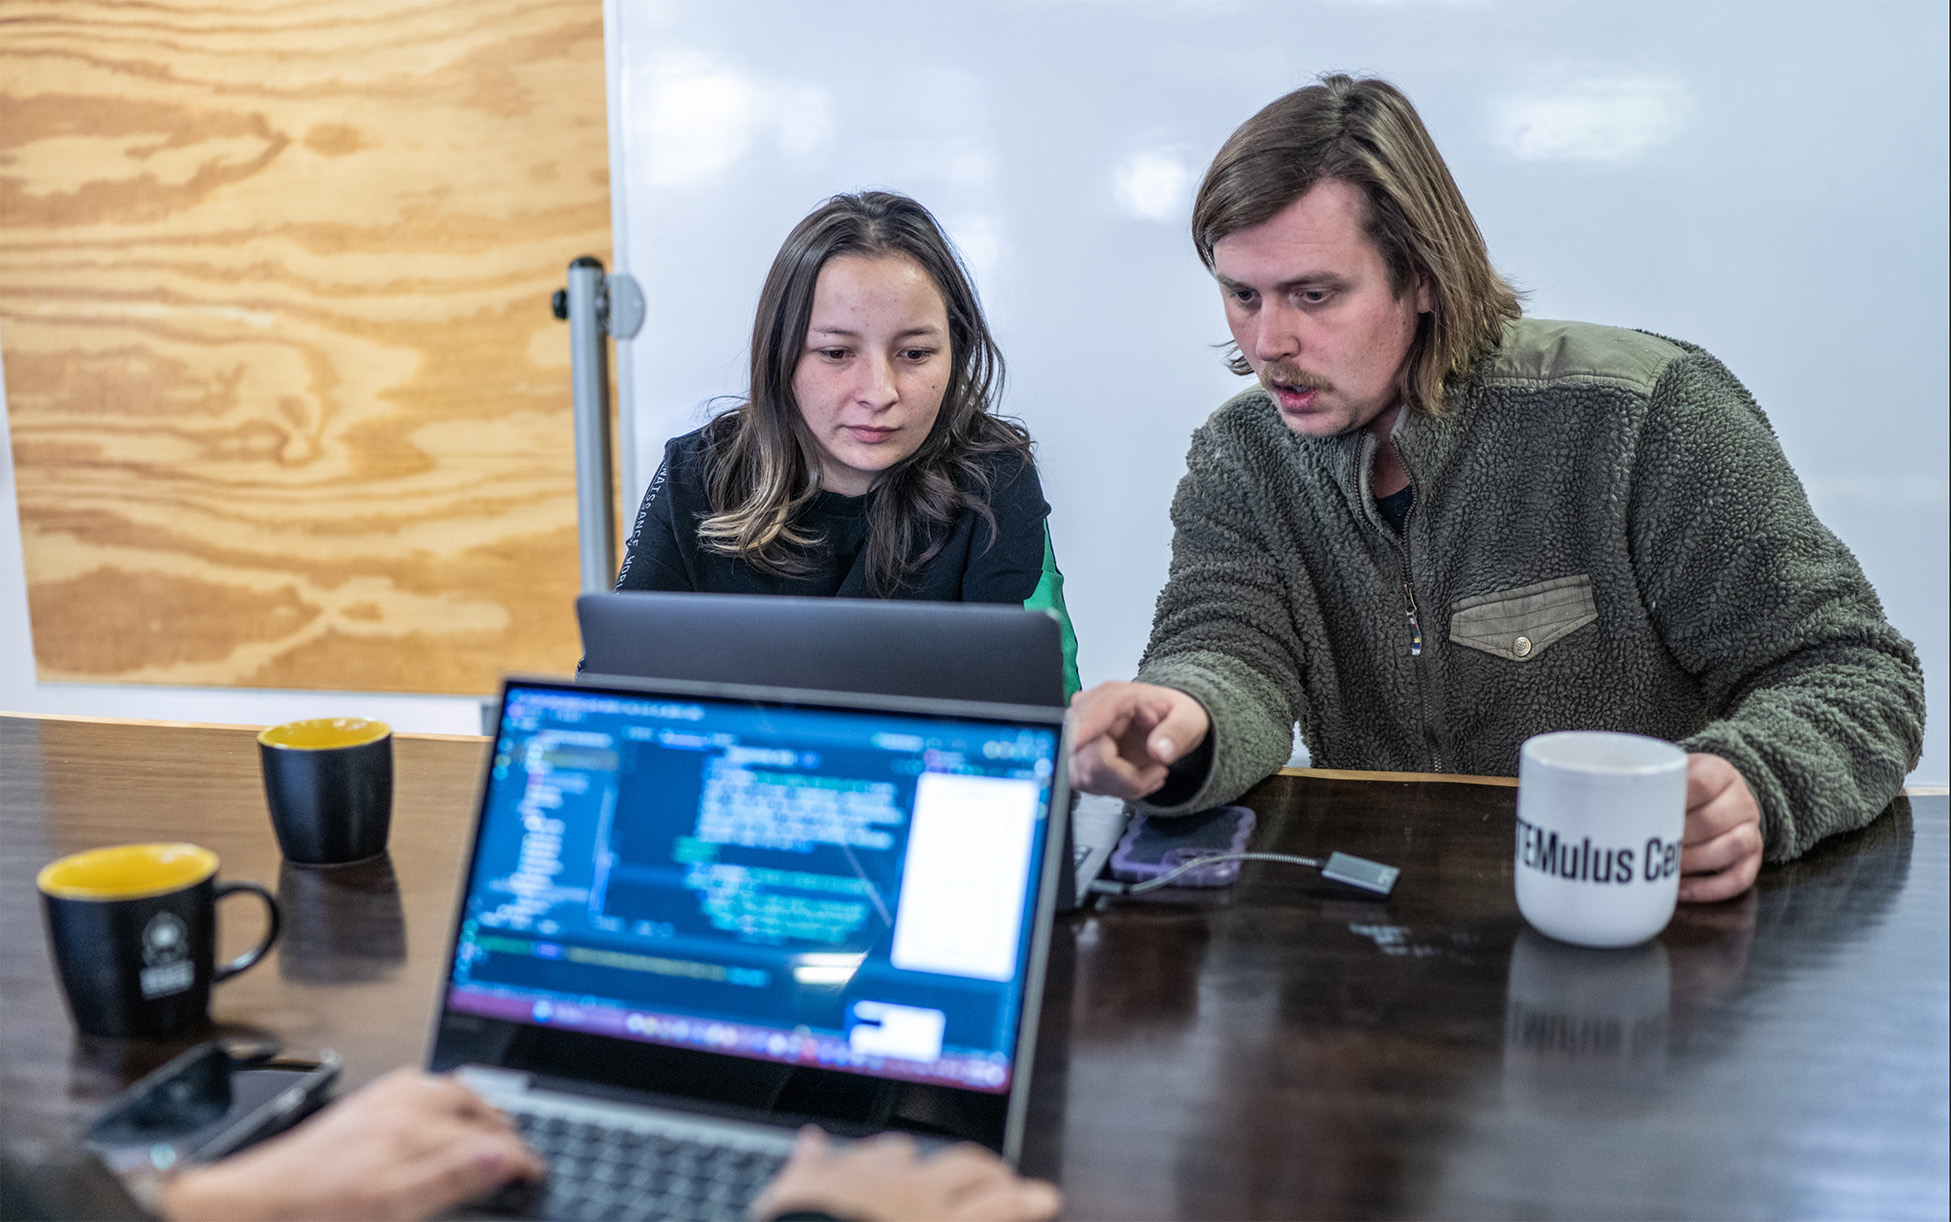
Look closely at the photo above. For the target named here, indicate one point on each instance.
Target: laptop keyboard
(603, 1171)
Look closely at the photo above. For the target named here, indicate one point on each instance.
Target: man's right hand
(1125, 735)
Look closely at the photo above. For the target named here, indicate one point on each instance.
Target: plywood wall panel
(287, 404)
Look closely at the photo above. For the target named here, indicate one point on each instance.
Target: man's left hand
(1720, 851)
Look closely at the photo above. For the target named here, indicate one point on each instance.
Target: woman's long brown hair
(762, 465)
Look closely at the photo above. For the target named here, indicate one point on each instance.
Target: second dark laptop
(940, 651)
(943, 651)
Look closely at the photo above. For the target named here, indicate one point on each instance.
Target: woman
(867, 460)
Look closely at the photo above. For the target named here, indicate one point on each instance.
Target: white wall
(1768, 180)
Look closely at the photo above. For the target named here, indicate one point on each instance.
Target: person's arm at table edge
(1820, 700)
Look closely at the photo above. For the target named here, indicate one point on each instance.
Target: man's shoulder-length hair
(1365, 133)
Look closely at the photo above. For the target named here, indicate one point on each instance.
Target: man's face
(1309, 303)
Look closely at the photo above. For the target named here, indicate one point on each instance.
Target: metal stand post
(595, 305)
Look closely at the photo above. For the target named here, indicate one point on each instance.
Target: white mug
(1599, 820)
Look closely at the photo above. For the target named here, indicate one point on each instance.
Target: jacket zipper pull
(1415, 628)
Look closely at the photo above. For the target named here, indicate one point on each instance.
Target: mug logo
(166, 951)
(163, 939)
(1542, 849)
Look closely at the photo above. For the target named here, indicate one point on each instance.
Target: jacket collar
(1426, 442)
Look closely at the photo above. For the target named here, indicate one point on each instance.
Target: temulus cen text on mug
(1540, 848)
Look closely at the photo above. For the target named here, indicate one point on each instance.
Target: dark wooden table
(1269, 1051)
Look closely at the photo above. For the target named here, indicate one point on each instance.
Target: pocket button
(1522, 647)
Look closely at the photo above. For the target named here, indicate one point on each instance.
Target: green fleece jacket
(1606, 535)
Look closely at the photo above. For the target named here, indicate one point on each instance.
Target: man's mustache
(1292, 377)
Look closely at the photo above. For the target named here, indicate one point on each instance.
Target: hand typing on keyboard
(406, 1146)
(411, 1145)
(884, 1179)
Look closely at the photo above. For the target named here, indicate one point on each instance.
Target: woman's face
(874, 367)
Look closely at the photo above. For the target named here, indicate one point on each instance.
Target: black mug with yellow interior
(134, 931)
(329, 784)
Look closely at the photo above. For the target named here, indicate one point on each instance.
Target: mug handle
(249, 958)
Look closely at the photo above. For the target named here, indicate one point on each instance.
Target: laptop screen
(807, 885)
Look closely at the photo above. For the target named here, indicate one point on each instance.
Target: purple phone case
(1218, 874)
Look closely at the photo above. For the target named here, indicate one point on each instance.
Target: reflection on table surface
(1269, 1050)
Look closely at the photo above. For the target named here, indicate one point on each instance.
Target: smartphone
(211, 1101)
(1152, 846)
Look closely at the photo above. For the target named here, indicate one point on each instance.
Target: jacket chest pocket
(1521, 624)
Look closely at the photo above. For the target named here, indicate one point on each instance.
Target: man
(1435, 528)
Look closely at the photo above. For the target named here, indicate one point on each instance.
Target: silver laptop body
(714, 913)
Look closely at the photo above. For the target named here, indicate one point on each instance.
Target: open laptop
(696, 916)
(950, 651)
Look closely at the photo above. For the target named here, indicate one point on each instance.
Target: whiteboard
(1767, 180)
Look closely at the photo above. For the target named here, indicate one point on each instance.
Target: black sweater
(975, 564)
